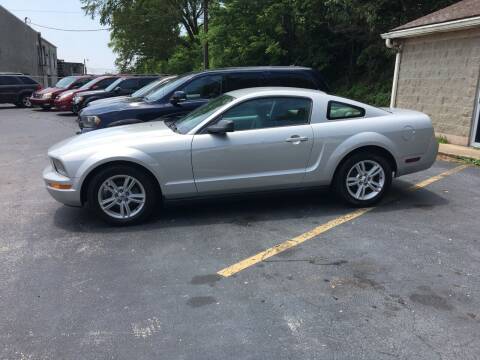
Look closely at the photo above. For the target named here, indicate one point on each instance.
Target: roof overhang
(455, 25)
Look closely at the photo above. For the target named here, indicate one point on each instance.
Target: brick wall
(439, 76)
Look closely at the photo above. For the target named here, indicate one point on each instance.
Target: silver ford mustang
(246, 140)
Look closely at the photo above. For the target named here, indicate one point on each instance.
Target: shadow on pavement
(250, 209)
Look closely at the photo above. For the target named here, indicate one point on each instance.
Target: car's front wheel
(363, 179)
(123, 195)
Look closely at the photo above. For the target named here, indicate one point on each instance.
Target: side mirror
(221, 127)
(94, 87)
(178, 96)
(117, 90)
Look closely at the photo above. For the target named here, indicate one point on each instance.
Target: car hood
(90, 92)
(50, 90)
(108, 100)
(126, 104)
(120, 136)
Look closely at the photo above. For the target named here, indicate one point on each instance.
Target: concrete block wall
(439, 76)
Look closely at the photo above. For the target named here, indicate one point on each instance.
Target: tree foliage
(339, 37)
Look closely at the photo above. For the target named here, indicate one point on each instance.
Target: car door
(10, 86)
(269, 147)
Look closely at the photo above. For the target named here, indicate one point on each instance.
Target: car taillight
(39, 87)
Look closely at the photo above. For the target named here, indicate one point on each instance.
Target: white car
(244, 141)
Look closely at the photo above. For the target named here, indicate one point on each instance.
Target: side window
(269, 112)
(102, 84)
(291, 79)
(338, 110)
(80, 83)
(145, 81)
(242, 81)
(206, 87)
(9, 80)
(27, 80)
(129, 84)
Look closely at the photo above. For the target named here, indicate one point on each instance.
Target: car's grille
(37, 95)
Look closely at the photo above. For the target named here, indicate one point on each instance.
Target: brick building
(437, 69)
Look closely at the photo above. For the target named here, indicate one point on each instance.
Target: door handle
(296, 139)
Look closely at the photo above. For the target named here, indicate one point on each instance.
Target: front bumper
(41, 102)
(71, 196)
(63, 105)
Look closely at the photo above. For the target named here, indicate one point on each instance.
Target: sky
(71, 46)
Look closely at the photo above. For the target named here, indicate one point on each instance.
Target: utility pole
(205, 29)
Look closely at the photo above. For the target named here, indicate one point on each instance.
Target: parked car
(16, 89)
(124, 85)
(63, 102)
(137, 95)
(246, 140)
(46, 98)
(190, 91)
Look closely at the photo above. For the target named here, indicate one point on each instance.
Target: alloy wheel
(121, 197)
(365, 180)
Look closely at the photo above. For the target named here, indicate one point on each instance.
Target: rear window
(146, 81)
(291, 79)
(338, 110)
(27, 80)
(9, 80)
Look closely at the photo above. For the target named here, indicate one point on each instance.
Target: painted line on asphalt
(277, 249)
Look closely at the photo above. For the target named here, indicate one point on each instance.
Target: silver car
(244, 141)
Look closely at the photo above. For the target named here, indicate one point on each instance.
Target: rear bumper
(425, 161)
(70, 196)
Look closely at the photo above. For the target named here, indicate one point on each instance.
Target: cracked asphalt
(400, 282)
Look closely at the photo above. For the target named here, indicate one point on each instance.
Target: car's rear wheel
(363, 179)
(123, 195)
(24, 101)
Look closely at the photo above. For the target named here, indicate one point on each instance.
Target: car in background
(16, 89)
(45, 98)
(137, 95)
(192, 90)
(63, 102)
(124, 85)
(248, 140)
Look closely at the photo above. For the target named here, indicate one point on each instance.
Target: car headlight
(77, 99)
(47, 95)
(58, 166)
(90, 121)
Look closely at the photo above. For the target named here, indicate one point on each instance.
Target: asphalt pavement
(398, 282)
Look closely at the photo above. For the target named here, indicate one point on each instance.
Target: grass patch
(442, 139)
(468, 160)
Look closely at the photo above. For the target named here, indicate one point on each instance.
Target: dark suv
(17, 89)
(187, 92)
(124, 85)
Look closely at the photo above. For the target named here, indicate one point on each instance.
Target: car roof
(273, 91)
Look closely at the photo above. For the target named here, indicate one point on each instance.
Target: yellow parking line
(252, 260)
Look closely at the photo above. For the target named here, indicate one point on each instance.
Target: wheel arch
(375, 149)
(95, 170)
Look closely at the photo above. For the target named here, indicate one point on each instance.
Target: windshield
(153, 86)
(65, 82)
(114, 84)
(187, 123)
(172, 85)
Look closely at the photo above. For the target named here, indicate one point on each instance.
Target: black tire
(24, 101)
(152, 195)
(340, 179)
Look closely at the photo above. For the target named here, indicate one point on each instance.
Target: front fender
(124, 154)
